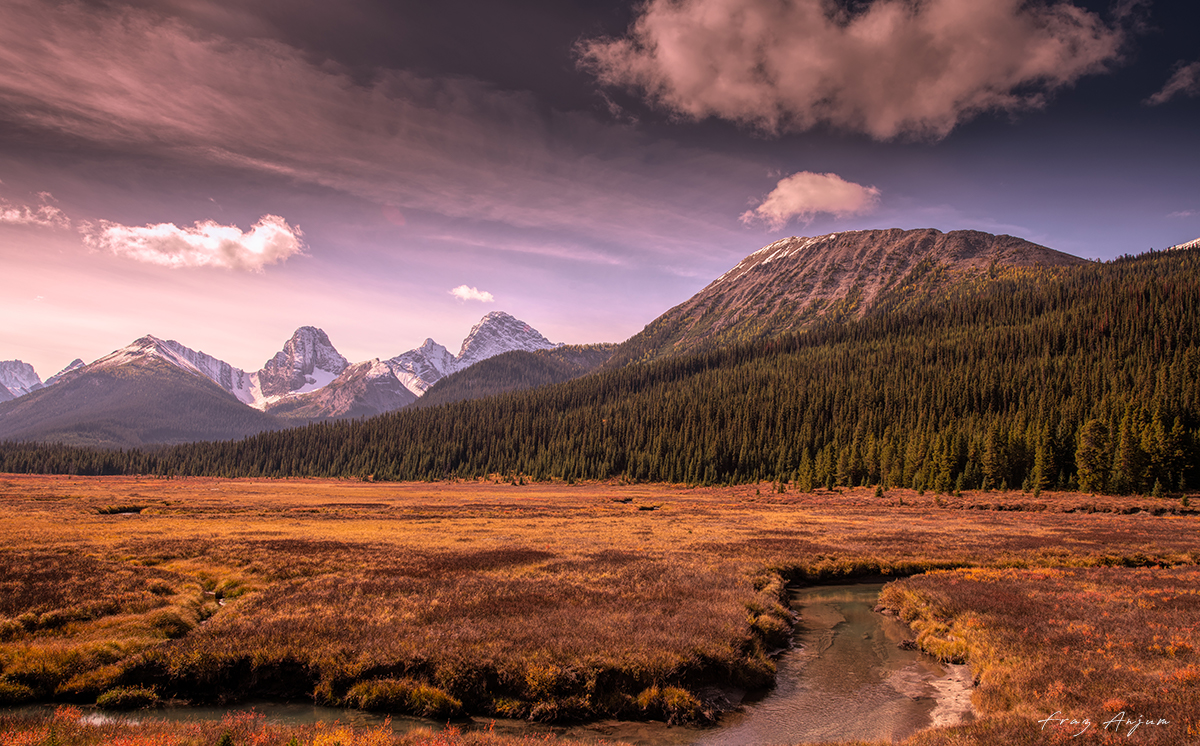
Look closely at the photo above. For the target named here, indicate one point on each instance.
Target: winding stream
(845, 679)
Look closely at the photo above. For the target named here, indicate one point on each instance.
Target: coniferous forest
(1085, 378)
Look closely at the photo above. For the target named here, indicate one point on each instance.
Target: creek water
(844, 679)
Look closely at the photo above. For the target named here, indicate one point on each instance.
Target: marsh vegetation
(561, 602)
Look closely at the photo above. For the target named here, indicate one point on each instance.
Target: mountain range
(790, 285)
(161, 391)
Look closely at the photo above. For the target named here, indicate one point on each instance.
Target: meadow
(561, 602)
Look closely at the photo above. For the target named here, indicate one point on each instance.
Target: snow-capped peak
(1193, 244)
(307, 362)
(234, 380)
(19, 378)
(420, 368)
(496, 333)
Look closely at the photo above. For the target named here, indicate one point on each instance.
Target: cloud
(892, 68)
(804, 194)
(44, 215)
(207, 244)
(1185, 81)
(1181, 214)
(136, 81)
(462, 292)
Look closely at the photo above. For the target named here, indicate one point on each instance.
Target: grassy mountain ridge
(797, 282)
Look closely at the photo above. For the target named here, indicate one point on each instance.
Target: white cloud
(805, 194)
(1181, 214)
(1185, 81)
(892, 68)
(462, 292)
(44, 215)
(207, 244)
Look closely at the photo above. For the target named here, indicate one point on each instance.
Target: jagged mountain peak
(308, 361)
(499, 332)
(18, 377)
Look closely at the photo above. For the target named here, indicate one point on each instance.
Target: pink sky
(221, 174)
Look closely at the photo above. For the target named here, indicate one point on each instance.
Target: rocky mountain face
(517, 370)
(307, 362)
(419, 368)
(17, 379)
(799, 280)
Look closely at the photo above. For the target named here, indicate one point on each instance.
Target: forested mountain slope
(1085, 376)
(516, 371)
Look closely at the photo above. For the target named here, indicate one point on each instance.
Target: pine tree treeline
(1086, 378)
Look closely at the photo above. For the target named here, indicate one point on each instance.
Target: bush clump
(128, 698)
(674, 704)
(403, 695)
(170, 623)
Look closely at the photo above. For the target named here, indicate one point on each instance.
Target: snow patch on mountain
(1194, 244)
(234, 380)
(420, 368)
(19, 378)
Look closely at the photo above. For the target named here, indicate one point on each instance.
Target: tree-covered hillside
(515, 371)
(1086, 376)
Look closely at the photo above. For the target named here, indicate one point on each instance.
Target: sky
(221, 173)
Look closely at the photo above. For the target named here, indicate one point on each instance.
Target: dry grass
(65, 728)
(548, 601)
(1059, 652)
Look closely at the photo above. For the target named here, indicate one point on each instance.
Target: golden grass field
(557, 602)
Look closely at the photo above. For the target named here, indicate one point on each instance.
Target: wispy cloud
(1185, 81)
(44, 215)
(805, 194)
(1182, 214)
(891, 68)
(206, 244)
(131, 79)
(462, 292)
